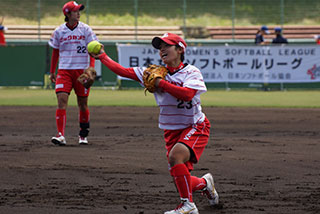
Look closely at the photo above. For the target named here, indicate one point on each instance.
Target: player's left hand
(88, 77)
(152, 77)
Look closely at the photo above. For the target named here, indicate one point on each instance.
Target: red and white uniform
(2, 38)
(182, 121)
(181, 117)
(72, 45)
(174, 113)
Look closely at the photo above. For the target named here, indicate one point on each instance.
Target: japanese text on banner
(268, 64)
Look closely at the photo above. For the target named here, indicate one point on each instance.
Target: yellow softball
(94, 47)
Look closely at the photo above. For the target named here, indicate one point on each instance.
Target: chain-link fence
(166, 12)
(190, 15)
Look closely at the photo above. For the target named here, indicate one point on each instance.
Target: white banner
(241, 64)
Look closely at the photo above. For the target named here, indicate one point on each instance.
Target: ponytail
(182, 57)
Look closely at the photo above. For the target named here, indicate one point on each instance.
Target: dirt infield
(263, 160)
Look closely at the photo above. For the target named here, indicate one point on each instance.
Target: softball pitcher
(69, 42)
(186, 128)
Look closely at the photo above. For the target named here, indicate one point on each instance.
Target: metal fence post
(39, 20)
(184, 17)
(233, 17)
(88, 11)
(136, 19)
(281, 13)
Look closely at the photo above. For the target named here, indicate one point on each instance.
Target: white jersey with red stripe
(174, 113)
(72, 45)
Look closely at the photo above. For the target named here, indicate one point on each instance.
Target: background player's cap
(72, 6)
(170, 39)
(265, 29)
(278, 29)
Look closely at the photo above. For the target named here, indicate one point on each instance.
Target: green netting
(167, 12)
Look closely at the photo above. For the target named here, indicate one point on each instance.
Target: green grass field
(99, 97)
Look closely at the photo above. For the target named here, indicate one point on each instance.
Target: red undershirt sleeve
(92, 61)
(54, 60)
(117, 68)
(182, 93)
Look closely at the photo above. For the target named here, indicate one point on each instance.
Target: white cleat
(83, 141)
(59, 140)
(186, 207)
(210, 191)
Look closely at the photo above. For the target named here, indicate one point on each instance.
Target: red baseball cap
(72, 6)
(170, 39)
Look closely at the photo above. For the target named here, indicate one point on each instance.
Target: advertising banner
(238, 64)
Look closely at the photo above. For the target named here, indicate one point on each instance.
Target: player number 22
(183, 104)
(81, 49)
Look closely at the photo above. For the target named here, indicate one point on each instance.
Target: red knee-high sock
(84, 116)
(197, 183)
(182, 178)
(61, 119)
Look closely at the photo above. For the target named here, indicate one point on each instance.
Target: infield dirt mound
(264, 160)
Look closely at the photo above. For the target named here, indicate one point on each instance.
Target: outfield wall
(28, 64)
